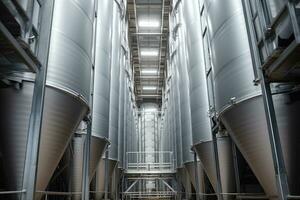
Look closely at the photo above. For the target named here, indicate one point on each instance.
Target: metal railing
(156, 162)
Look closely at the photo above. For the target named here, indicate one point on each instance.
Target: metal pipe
(293, 197)
(59, 193)
(12, 192)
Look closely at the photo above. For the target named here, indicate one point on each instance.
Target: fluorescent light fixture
(150, 109)
(150, 52)
(149, 87)
(148, 23)
(149, 71)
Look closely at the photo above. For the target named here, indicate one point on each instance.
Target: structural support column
(277, 154)
(106, 181)
(236, 168)
(217, 166)
(86, 163)
(36, 117)
(196, 177)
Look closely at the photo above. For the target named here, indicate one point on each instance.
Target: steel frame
(35, 121)
(277, 154)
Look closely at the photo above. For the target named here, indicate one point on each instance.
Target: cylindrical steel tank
(96, 151)
(122, 113)
(239, 101)
(178, 118)
(113, 119)
(200, 173)
(201, 125)
(186, 126)
(66, 95)
(180, 63)
(101, 101)
(189, 35)
(114, 83)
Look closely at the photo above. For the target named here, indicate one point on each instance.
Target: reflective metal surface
(200, 173)
(205, 151)
(201, 127)
(97, 147)
(186, 126)
(16, 105)
(69, 67)
(102, 73)
(238, 99)
(254, 143)
(114, 83)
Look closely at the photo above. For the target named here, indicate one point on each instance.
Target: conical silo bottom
(247, 125)
(184, 183)
(205, 152)
(98, 146)
(115, 183)
(100, 176)
(187, 183)
(226, 167)
(192, 173)
(62, 114)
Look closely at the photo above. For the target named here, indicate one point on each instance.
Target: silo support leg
(85, 169)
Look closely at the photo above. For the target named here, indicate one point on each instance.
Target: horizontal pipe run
(12, 192)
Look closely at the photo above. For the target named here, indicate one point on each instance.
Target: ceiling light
(149, 71)
(150, 109)
(149, 88)
(148, 24)
(149, 53)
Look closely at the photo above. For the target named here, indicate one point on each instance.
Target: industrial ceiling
(148, 34)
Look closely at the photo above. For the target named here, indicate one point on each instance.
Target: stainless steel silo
(239, 101)
(122, 113)
(101, 100)
(174, 62)
(113, 120)
(66, 96)
(191, 52)
(192, 169)
(184, 97)
(114, 83)
(96, 151)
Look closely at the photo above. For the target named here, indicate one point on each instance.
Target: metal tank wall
(100, 100)
(124, 66)
(183, 81)
(114, 83)
(189, 19)
(177, 112)
(179, 64)
(116, 71)
(66, 95)
(201, 125)
(238, 100)
(175, 118)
